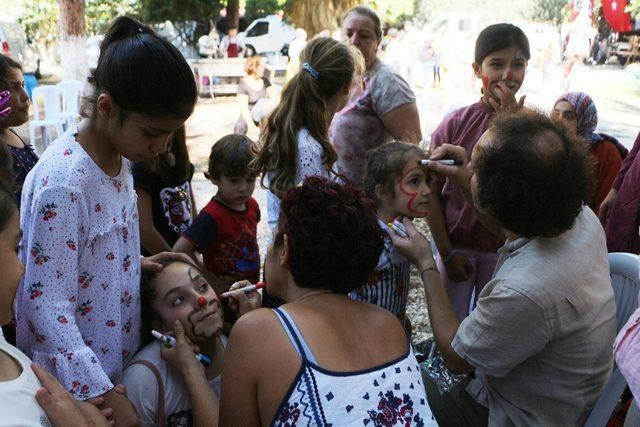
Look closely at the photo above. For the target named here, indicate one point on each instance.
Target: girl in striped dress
(399, 187)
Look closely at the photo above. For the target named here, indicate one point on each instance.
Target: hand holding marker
(399, 228)
(446, 162)
(246, 289)
(170, 342)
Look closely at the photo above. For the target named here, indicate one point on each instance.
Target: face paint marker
(446, 162)
(170, 342)
(509, 75)
(246, 289)
(202, 302)
(399, 228)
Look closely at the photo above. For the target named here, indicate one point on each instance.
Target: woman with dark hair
(577, 111)
(467, 251)
(79, 309)
(23, 155)
(384, 111)
(315, 360)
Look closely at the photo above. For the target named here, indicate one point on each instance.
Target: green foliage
(100, 13)
(554, 12)
(259, 8)
(191, 18)
(393, 12)
(40, 17)
(40, 20)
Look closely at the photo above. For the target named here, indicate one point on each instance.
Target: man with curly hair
(538, 344)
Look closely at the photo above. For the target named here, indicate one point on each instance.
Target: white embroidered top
(78, 307)
(309, 164)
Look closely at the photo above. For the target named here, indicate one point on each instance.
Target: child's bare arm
(150, 238)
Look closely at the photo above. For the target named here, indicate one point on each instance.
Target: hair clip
(309, 69)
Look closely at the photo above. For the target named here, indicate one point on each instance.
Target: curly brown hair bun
(333, 232)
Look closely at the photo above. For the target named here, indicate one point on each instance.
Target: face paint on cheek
(485, 82)
(412, 195)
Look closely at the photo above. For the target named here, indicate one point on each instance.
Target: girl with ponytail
(295, 141)
(78, 309)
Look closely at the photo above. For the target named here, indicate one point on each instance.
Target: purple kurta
(624, 219)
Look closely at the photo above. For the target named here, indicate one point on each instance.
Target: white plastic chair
(51, 97)
(71, 96)
(626, 285)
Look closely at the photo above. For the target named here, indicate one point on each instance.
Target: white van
(266, 35)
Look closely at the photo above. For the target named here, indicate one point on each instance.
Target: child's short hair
(385, 164)
(230, 156)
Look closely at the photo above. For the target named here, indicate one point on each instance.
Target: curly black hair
(334, 236)
(533, 176)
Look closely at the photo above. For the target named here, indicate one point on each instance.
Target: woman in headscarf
(577, 111)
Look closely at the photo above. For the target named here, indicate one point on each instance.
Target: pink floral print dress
(78, 308)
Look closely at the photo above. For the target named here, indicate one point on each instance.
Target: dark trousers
(455, 409)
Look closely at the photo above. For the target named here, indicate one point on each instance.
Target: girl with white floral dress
(78, 309)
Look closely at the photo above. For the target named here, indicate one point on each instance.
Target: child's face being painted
(180, 293)
(11, 267)
(504, 67)
(234, 191)
(411, 192)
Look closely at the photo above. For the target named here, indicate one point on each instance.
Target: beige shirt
(541, 335)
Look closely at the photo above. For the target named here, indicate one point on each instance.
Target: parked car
(14, 43)
(266, 35)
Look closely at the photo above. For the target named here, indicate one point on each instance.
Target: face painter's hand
(504, 99)
(415, 248)
(242, 303)
(460, 175)
(183, 355)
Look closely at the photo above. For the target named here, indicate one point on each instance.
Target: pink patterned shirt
(78, 307)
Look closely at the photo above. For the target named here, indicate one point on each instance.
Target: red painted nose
(202, 301)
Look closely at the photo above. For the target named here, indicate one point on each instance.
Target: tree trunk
(317, 15)
(233, 8)
(72, 28)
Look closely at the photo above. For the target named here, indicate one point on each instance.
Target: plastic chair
(626, 285)
(52, 103)
(71, 95)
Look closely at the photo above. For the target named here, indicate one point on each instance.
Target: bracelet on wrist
(427, 269)
(446, 260)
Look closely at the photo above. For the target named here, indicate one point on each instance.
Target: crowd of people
(122, 303)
